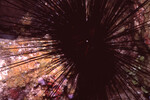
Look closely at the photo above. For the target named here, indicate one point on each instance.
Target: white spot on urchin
(46, 3)
(87, 41)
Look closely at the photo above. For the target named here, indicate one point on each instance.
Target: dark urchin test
(101, 40)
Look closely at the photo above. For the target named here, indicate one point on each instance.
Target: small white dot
(46, 3)
(87, 40)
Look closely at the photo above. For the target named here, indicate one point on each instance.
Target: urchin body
(96, 38)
